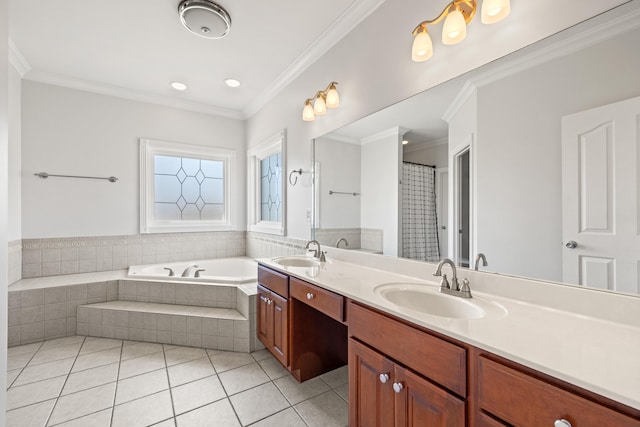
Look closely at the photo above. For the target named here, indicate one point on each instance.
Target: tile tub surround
(60, 256)
(260, 245)
(107, 382)
(15, 261)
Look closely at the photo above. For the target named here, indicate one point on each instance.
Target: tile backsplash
(56, 256)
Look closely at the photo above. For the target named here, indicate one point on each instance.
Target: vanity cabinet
(273, 313)
(384, 391)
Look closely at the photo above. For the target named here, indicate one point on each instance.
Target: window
(266, 202)
(184, 187)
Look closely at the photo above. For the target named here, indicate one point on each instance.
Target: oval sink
(428, 300)
(297, 261)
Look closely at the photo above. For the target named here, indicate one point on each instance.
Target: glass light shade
(454, 29)
(495, 10)
(422, 48)
(307, 114)
(333, 100)
(319, 106)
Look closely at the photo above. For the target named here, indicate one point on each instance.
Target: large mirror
(531, 160)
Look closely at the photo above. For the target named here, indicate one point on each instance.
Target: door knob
(571, 244)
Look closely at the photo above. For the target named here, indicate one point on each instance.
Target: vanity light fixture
(318, 104)
(456, 15)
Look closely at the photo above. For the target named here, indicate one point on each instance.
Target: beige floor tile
(133, 349)
(12, 375)
(243, 378)
(90, 378)
(167, 423)
(286, 418)
(31, 416)
(99, 358)
(83, 403)
(34, 392)
(343, 391)
(183, 354)
(337, 377)
(141, 385)
(24, 349)
(143, 412)
(273, 368)
(32, 374)
(261, 354)
(326, 410)
(224, 361)
(93, 344)
(66, 341)
(18, 361)
(296, 392)
(219, 414)
(197, 393)
(190, 371)
(50, 354)
(141, 365)
(258, 403)
(97, 419)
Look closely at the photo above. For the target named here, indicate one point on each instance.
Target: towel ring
(295, 180)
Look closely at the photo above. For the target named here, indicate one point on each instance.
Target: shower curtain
(419, 220)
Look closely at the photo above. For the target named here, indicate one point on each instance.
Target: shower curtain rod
(419, 164)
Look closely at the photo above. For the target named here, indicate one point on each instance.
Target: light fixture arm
(466, 7)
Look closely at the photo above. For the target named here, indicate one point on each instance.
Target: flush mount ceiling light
(232, 82)
(457, 15)
(179, 86)
(204, 18)
(318, 104)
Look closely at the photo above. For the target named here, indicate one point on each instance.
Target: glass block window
(271, 188)
(184, 187)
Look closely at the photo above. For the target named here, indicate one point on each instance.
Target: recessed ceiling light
(232, 82)
(179, 86)
(405, 142)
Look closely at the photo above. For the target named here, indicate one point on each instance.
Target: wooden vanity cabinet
(273, 313)
(383, 391)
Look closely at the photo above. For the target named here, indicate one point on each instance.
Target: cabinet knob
(264, 299)
(561, 423)
(310, 295)
(397, 387)
(384, 378)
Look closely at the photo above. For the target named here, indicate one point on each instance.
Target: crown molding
(395, 131)
(418, 146)
(343, 25)
(627, 21)
(340, 138)
(133, 95)
(468, 90)
(18, 60)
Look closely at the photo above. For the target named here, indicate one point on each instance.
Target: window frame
(150, 148)
(277, 143)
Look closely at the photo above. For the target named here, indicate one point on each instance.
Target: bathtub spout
(187, 270)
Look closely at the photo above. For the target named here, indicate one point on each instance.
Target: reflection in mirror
(553, 133)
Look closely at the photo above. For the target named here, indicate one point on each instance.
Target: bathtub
(220, 270)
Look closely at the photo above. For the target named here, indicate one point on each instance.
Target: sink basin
(297, 261)
(427, 299)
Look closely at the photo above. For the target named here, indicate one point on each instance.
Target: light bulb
(319, 106)
(307, 114)
(454, 29)
(333, 100)
(422, 48)
(495, 11)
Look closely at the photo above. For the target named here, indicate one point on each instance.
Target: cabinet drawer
(322, 300)
(277, 282)
(439, 360)
(520, 399)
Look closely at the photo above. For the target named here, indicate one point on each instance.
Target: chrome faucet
(453, 288)
(340, 240)
(187, 270)
(484, 261)
(317, 253)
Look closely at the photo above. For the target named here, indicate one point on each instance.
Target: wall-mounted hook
(295, 180)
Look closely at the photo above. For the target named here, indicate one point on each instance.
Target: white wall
(433, 155)
(71, 132)
(380, 197)
(15, 156)
(519, 151)
(339, 171)
(4, 199)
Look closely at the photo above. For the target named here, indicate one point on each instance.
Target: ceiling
(135, 48)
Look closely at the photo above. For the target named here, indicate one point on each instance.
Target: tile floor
(99, 382)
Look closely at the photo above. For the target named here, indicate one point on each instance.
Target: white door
(600, 183)
(442, 204)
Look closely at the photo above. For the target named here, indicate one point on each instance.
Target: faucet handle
(315, 252)
(323, 257)
(198, 272)
(444, 283)
(465, 290)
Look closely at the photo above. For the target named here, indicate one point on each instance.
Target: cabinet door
(370, 399)
(265, 319)
(280, 316)
(420, 403)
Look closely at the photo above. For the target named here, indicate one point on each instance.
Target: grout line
(166, 368)
(115, 393)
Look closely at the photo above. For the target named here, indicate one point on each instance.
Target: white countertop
(593, 353)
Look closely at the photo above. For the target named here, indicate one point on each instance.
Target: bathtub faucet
(187, 270)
